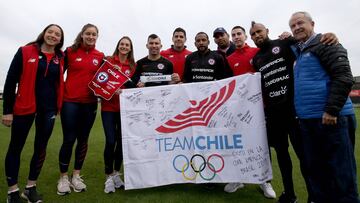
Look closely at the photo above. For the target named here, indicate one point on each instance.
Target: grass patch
(93, 173)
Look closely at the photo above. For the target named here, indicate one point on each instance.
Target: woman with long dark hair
(37, 72)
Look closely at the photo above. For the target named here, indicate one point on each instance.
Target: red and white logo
(56, 60)
(200, 112)
(32, 60)
(127, 72)
(95, 62)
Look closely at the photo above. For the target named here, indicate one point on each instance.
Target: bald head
(259, 33)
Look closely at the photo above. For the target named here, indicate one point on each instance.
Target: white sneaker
(77, 183)
(232, 187)
(63, 186)
(268, 190)
(109, 185)
(117, 180)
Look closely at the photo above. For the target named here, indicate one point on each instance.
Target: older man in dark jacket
(322, 81)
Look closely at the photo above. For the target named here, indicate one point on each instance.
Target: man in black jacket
(274, 61)
(204, 64)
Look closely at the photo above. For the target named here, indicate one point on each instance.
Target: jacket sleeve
(136, 77)
(12, 79)
(223, 68)
(66, 60)
(187, 70)
(227, 70)
(336, 63)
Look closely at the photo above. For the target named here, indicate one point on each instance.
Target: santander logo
(200, 112)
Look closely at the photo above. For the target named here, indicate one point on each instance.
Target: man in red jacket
(177, 52)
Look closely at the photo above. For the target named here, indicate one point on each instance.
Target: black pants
(281, 127)
(113, 156)
(44, 123)
(77, 120)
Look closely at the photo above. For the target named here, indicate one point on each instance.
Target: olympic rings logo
(204, 169)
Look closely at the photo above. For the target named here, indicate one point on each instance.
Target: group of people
(306, 79)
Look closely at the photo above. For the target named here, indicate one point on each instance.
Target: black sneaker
(14, 197)
(31, 195)
(284, 198)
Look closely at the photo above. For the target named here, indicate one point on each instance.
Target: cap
(219, 30)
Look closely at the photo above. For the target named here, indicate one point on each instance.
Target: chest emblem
(275, 50)
(32, 60)
(160, 66)
(211, 61)
(56, 60)
(95, 62)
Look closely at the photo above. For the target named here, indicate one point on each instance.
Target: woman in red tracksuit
(37, 71)
(123, 58)
(78, 113)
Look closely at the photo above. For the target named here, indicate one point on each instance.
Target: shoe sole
(268, 196)
(76, 190)
(234, 190)
(63, 193)
(27, 199)
(109, 192)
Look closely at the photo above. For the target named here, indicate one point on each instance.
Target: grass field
(93, 173)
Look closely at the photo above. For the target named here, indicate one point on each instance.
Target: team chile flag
(107, 80)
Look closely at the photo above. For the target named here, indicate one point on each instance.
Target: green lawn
(93, 173)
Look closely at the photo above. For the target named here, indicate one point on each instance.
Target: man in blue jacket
(322, 82)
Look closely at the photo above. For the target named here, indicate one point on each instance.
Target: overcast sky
(22, 21)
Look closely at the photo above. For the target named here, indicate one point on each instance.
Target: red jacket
(177, 59)
(25, 102)
(241, 60)
(81, 68)
(113, 105)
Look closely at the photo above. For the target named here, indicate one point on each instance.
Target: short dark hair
(238, 27)
(199, 33)
(153, 36)
(179, 29)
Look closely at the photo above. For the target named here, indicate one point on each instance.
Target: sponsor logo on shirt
(127, 72)
(78, 59)
(280, 92)
(171, 56)
(236, 64)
